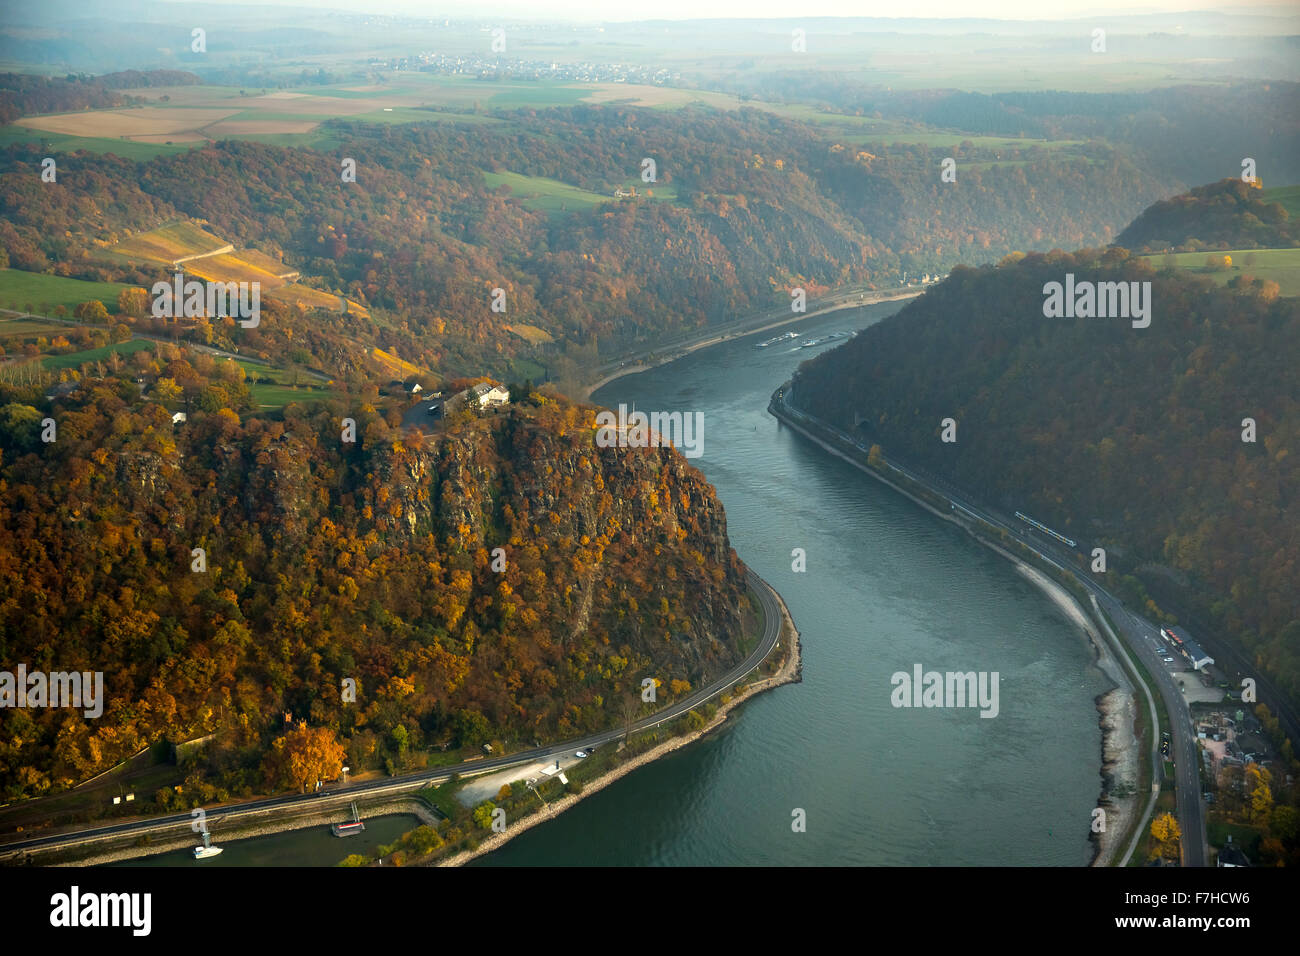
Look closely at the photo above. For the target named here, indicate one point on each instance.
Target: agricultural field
(548, 195)
(309, 298)
(75, 359)
(218, 261)
(396, 367)
(410, 98)
(1288, 196)
(170, 243)
(662, 97)
(1059, 161)
(141, 124)
(181, 117)
(58, 143)
(14, 327)
(522, 369)
(531, 334)
(859, 130)
(322, 139)
(236, 267)
(1280, 265)
(261, 261)
(44, 292)
(190, 116)
(416, 114)
(256, 372)
(277, 396)
(939, 138)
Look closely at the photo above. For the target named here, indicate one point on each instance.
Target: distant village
(497, 67)
(925, 278)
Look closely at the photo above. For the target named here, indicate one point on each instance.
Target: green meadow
(1280, 265)
(1288, 196)
(548, 195)
(62, 143)
(75, 359)
(277, 396)
(19, 289)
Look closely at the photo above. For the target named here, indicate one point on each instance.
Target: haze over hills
(371, 476)
(746, 207)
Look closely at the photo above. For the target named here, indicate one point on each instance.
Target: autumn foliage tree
(303, 756)
(1166, 837)
(92, 311)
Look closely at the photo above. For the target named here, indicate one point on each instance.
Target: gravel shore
(790, 673)
(1117, 710)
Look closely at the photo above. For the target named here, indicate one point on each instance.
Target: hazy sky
(694, 9)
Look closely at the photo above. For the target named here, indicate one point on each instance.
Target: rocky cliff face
(637, 537)
(502, 579)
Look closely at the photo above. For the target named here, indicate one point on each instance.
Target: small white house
(415, 389)
(486, 394)
(483, 395)
(178, 417)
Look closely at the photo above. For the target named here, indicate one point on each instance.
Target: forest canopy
(1129, 439)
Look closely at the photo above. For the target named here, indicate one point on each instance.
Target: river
(887, 586)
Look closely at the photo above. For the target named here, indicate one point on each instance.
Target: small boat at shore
(207, 850)
(352, 828)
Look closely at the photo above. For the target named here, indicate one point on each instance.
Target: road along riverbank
(790, 672)
(1117, 708)
(147, 839)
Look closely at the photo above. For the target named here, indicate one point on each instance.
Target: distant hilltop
(1229, 214)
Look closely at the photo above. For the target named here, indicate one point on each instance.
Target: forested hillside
(25, 95)
(1233, 212)
(328, 560)
(1193, 133)
(1126, 438)
(745, 207)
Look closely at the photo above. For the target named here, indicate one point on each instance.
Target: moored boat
(207, 850)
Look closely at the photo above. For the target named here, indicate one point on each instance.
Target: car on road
(580, 754)
(1167, 660)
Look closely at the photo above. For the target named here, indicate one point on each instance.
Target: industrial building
(1182, 642)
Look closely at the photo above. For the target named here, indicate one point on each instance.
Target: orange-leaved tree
(302, 756)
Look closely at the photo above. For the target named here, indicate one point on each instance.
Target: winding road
(1139, 634)
(772, 620)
